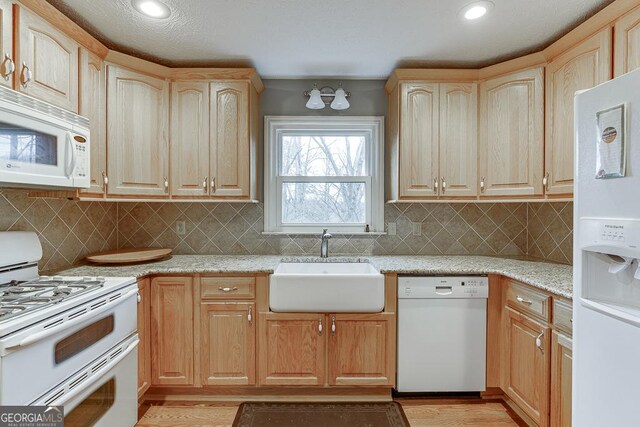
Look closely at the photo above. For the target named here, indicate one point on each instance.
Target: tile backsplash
(70, 230)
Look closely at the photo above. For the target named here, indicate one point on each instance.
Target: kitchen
(446, 185)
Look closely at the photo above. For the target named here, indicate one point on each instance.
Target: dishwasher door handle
(444, 290)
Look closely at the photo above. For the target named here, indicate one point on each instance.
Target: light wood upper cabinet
(190, 138)
(6, 44)
(144, 335)
(172, 331)
(458, 145)
(93, 106)
(627, 43)
(137, 122)
(228, 343)
(561, 368)
(361, 349)
(526, 365)
(230, 139)
(418, 153)
(291, 349)
(46, 62)
(511, 134)
(582, 67)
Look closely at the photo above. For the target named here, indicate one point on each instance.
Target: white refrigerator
(606, 294)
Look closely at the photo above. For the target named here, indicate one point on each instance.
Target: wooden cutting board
(128, 256)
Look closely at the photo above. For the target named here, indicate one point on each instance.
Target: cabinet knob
(166, 184)
(444, 185)
(539, 341)
(482, 184)
(333, 325)
(213, 185)
(26, 75)
(205, 183)
(250, 315)
(8, 67)
(435, 185)
(139, 298)
(545, 182)
(319, 326)
(105, 180)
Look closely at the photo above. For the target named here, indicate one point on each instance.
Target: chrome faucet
(324, 246)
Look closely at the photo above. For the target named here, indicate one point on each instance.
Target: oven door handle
(97, 377)
(65, 325)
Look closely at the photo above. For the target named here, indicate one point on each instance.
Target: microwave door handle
(72, 150)
(64, 325)
(105, 369)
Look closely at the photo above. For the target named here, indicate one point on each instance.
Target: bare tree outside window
(329, 199)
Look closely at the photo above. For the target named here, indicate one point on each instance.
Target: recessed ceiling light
(152, 8)
(476, 10)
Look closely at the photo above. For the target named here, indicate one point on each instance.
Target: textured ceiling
(329, 38)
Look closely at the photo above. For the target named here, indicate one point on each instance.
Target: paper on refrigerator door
(611, 149)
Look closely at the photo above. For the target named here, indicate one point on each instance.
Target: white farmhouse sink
(326, 288)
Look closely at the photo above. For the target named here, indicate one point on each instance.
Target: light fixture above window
(152, 8)
(476, 10)
(319, 98)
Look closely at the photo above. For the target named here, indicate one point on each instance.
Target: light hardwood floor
(419, 412)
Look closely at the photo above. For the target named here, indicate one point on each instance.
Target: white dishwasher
(442, 334)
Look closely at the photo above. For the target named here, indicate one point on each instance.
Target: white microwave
(41, 145)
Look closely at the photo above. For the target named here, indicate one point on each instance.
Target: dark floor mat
(268, 414)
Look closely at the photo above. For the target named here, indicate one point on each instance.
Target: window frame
(277, 126)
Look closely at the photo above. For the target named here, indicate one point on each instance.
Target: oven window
(27, 146)
(84, 338)
(93, 408)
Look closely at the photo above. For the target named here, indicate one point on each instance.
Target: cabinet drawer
(527, 300)
(562, 316)
(212, 288)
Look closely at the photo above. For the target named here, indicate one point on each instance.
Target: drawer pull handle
(333, 325)
(235, 288)
(523, 301)
(320, 327)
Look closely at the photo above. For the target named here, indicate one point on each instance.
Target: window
(323, 172)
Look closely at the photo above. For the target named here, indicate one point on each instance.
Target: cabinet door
(458, 143)
(190, 139)
(292, 349)
(526, 367)
(6, 44)
(511, 134)
(230, 153)
(93, 103)
(419, 120)
(144, 348)
(582, 67)
(137, 117)
(228, 343)
(172, 331)
(627, 43)
(361, 349)
(52, 59)
(561, 367)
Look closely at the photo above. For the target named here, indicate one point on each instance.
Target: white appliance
(69, 341)
(41, 145)
(442, 330)
(606, 292)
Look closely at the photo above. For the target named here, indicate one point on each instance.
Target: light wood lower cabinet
(561, 368)
(361, 349)
(292, 349)
(144, 348)
(526, 365)
(228, 343)
(172, 331)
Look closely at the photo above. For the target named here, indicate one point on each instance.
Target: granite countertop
(554, 278)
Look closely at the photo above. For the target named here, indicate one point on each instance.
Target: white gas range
(69, 341)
